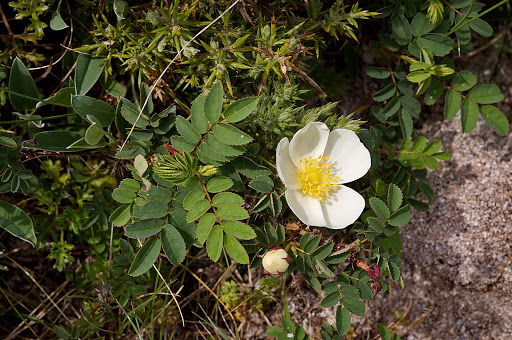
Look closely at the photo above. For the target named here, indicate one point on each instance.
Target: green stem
(463, 23)
(266, 161)
(21, 121)
(285, 300)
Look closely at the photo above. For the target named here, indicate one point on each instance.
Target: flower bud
(276, 261)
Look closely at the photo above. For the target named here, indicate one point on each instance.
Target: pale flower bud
(276, 261)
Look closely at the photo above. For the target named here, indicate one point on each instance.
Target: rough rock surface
(458, 254)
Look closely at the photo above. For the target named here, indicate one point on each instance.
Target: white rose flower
(314, 165)
(276, 261)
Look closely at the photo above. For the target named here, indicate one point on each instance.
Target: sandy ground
(458, 254)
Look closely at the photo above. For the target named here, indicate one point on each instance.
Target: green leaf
(355, 306)
(173, 244)
(323, 251)
(432, 147)
(121, 9)
(249, 168)
(331, 300)
(350, 291)
(100, 110)
(394, 271)
(61, 98)
(205, 149)
(401, 30)
(389, 42)
(439, 44)
(486, 94)
(412, 105)
(395, 197)
(144, 228)
(469, 114)
(343, 320)
(240, 109)
(123, 195)
(20, 81)
(131, 113)
(232, 212)
(94, 134)
(434, 92)
(406, 124)
(384, 332)
(204, 226)
(304, 240)
(312, 244)
(376, 224)
(262, 184)
(452, 103)
(87, 72)
(8, 142)
(187, 130)
(227, 197)
(463, 80)
(181, 144)
(378, 72)
(235, 249)
(151, 209)
(198, 116)
(145, 257)
(141, 164)
(274, 331)
(495, 118)
(271, 233)
(419, 144)
(239, 230)
(365, 291)
(421, 25)
(230, 134)
(214, 243)
(17, 222)
(218, 184)
(288, 325)
(431, 162)
(445, 156)
(213, 102)
(56, 22)
(192, 197)
(385, 93)
(400, 217)
(120, 216)
(380, 208)
(481, 27)
(224, 149)
(391, 107)
(322, 268)
(418, 76)
(144, 92)
(198, 210)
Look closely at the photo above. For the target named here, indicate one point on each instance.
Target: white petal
(309, 141)
(342, 208)
(306, 208)
(285, 167)
(351, 159)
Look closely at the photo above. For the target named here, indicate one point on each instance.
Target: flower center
(315, 178)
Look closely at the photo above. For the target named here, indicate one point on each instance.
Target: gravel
(457, 255)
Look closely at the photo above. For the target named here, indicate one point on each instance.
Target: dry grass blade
(51, 298)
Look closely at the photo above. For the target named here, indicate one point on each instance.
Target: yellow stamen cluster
(315, 178)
